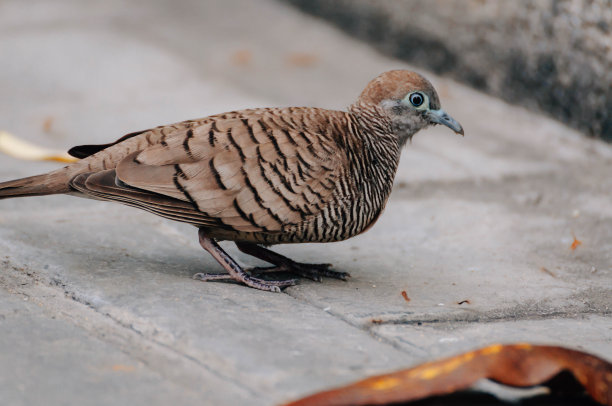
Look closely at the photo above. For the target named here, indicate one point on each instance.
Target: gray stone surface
(96, 301)
(549, 54)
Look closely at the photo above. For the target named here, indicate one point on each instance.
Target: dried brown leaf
(241, 57)
(519, 365)
(547, 271)
(302, 59)
(575, 243)
(48, 124)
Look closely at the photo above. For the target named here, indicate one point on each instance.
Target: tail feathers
(40, 185)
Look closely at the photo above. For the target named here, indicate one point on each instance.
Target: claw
(201, 276)
(316, 272)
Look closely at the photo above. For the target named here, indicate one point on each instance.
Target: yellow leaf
(13, 146)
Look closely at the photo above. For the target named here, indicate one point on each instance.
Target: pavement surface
(97, 304)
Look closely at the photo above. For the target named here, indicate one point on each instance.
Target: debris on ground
(562, 370)
(20, 149)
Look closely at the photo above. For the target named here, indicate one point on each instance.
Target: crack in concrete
(491, 319)
(360, 326)
(117, 333)
(368, 323)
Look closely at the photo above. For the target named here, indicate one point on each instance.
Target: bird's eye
(416, 99)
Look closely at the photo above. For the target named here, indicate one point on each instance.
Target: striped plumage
(261, 176)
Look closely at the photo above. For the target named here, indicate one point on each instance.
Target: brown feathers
(396, 84)
(257, 172)
(278, 175)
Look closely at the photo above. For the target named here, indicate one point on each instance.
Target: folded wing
(250, 171)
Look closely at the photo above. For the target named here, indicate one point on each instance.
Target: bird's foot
(283, 264)
(274, 286)
(316, 272)
(235, 271)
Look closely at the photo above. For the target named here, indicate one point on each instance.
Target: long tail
(39, 185)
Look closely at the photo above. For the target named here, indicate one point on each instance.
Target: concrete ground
(96, 301)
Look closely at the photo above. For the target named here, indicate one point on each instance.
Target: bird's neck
(376, 134)
(377, 150)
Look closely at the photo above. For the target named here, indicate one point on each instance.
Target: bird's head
(409, 100)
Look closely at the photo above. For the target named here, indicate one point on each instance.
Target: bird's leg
(234, 271)
(284, 264)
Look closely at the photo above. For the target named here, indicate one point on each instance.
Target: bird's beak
(442, 117)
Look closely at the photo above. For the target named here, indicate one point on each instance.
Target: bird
(260, 177)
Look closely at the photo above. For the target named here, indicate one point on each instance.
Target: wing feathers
(251, 171)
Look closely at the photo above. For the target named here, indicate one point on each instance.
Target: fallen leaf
(13, 146)
(547, 271)
(466, 301)
(405, 296)
(242, 57)
(123, 368)
(575, 244)
(48, 124)
(521, 365)
(302, 59)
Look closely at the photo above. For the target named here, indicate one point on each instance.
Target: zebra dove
(260, 177)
